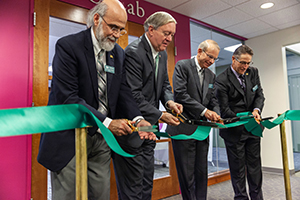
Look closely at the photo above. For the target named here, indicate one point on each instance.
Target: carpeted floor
(273, 189)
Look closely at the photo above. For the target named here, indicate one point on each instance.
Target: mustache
(111, 38)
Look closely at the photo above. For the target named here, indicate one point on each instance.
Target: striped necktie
(243, 83)
(102, 90)
(201, 76)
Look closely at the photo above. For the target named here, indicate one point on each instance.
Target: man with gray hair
(147, 75)
(88, 69)
(193, 85)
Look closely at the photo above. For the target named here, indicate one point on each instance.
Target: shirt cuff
(203, 112)
(106, 123)
(257, 109)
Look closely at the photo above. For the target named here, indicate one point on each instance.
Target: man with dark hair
(147, 75)
(88, 69)
(193, 85)
(238, 89)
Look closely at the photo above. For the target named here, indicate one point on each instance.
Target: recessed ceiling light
(232, 48)
(267, 5)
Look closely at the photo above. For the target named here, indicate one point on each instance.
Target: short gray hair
(158, 19)
(204, 45)
(100, 8)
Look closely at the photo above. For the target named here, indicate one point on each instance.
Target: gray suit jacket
(187, 91)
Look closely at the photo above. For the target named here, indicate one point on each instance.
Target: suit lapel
(91, 63)
(248, 85)
(205, 84)
(196, 77)
(151, 66)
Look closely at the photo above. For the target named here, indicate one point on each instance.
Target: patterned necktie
(243, 83)
(156, 65)
(201, 77)
(101, 75)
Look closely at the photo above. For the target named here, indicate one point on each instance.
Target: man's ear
(150, 30)
(96, 19)
(199, 50)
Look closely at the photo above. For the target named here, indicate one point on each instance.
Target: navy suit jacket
(233, 100)
(75, 82)
(140, 69)
(193, 97)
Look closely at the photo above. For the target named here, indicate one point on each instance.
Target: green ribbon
(22, 121)
(202, 132)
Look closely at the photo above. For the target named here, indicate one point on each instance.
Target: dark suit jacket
(140, 69)
(232, 99)
(187, 91)
(75, 81)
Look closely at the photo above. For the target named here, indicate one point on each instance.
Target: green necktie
(156, 65)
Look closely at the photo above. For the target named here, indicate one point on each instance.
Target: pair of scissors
(235, 119)
(152, 128)
(183, 119)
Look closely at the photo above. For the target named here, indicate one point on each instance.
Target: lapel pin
(246, 74)
(111, 56)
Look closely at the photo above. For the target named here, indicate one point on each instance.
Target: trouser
(98, 163)
(191, 164)
(135, 175)
(244, 159)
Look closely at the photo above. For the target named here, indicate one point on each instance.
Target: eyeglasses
(114, 28)
(244, 63)
(211, 57)
(166, 33)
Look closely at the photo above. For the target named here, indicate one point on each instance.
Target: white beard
(105, 42)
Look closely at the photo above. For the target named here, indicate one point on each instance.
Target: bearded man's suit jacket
(75, 82)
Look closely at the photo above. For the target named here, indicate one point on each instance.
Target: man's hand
(178, 108)
(212, 116)
(119, 127)
(145, 135)
(169, 119)
(256, 115)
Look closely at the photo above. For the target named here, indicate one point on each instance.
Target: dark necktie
(101, 74)
(243, 83)
(201, 76)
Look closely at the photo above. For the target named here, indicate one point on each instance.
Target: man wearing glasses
(193, 85)
(88, 69)
(238, 89)
(147, 75)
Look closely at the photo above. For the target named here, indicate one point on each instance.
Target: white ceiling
(241, 17)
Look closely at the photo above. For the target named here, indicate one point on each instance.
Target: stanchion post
(285, 163)
(81, 164)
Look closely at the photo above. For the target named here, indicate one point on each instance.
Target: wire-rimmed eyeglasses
(114, 28)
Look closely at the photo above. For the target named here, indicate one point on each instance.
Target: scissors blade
(147, 128)
(201, 123)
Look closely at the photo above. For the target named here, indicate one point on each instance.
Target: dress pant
(191, 164)
(244, 160)
(63, 182)
(134, 175)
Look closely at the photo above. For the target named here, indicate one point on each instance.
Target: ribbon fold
(22, 121)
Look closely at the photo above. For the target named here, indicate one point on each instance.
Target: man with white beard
(88, 69)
